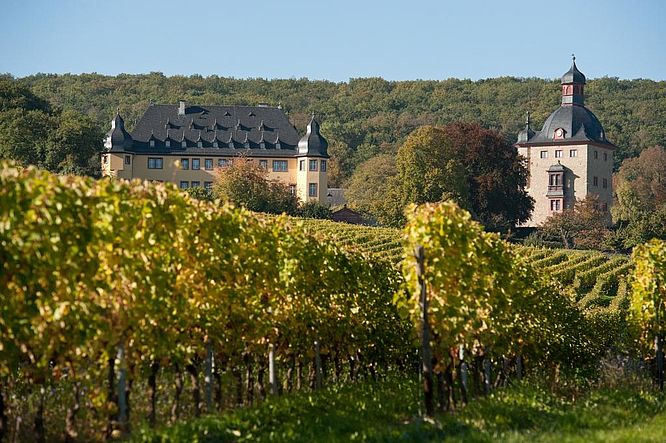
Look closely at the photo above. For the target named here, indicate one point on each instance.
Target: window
(605, 183)
(195, 184)
(313, 165)
(279, 165)
(215, 144)
(167, 143)
(605, 157)
(105, 159)
(312, 190)
(544, 154)
(292, 189)
(208, 185)
(154, 163)
(199, 144)
(196, 164)
(323, 166)
(263, 164)
(554, 205)
(558, 153)
(184, 164)
(184, 185)
(596, 155)
(595, 181)
(301, 165)
(222, 163)
(184, 144)
(573, 152)
(152, 143)
(208, 164)
(128, 159)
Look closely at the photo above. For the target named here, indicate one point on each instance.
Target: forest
(365, 117)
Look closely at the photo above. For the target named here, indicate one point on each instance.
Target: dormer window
(559, 134)
(215, 144)
(183, 144)
(262, 145)
(199, 145)
(152, 143)
(167, 143)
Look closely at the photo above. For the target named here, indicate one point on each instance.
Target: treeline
(365, 117)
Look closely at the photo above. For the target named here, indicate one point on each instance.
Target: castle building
(570, 158)
(185, 145)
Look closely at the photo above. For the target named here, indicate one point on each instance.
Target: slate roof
(573, 75)
(118, 138)
(253, 130)
(313, 143)
(579, 123)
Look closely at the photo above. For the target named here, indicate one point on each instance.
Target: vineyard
(598, 280)
(131, 305)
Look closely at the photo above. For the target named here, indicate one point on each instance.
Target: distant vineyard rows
(599, 280)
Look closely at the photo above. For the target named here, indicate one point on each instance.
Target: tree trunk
(218, 387)
(299, 375)
(178, 385)
(249, 381)
(152, 385)
(352, 368)
(487, 375)
(40, 435)
(338, 367)
(209, 367)
(193, 370)
(4, 421)
(290, 374)
(111, 397)
(261, 387)
(441, 395)
(70, 419)
(450, 398)
(519, 367)
(238, 377)
(464, 377)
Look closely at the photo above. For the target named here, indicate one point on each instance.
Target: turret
(117, 138)
(313, 143)
(573, 82)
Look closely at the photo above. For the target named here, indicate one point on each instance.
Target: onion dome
(313, 143)
(118, 138)
(573, 75)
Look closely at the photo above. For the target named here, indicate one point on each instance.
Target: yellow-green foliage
(648, 297)
(483, 293)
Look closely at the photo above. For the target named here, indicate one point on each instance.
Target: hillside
(364, 117)
(598, 280)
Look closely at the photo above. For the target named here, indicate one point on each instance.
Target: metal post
(272, 376)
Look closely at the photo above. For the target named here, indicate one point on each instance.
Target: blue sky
(338, 40)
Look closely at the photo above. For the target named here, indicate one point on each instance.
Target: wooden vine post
(122, 388)
(208, 376)
(318, 372)
(426, 354)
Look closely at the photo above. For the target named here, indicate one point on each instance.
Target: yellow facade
(129, 166)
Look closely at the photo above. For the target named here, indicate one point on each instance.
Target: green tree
(585, 226)
(470, 165)
(245, 184)
(374, 189)
(640, 205)
(75, 145)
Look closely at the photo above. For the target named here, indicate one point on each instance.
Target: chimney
(181, 108)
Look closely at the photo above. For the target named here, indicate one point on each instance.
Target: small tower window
(595, 181)
(605, 183)
(128, 159)
(312, 190)
(323, 166)
(573, 152)
(543, 154)
(558, 153)
(301, 165)
(312, 165)
(605, 157)
(596, 155)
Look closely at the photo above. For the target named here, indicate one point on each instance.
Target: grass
(388, 411)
